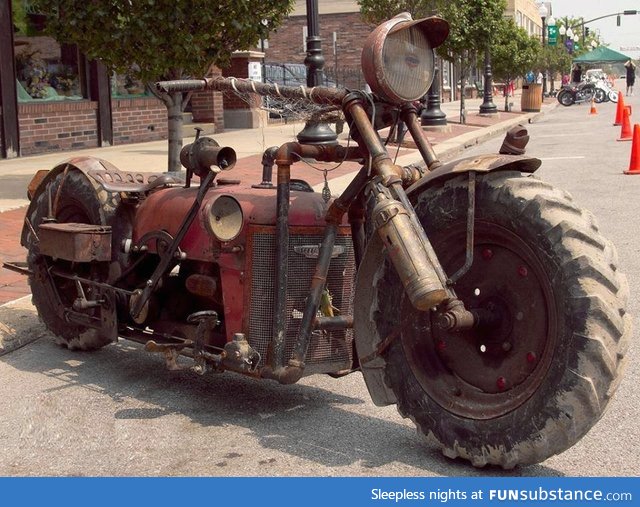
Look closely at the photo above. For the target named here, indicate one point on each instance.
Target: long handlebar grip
(181, 85)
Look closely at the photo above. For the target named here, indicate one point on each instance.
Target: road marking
(555, 135)
(562, 158)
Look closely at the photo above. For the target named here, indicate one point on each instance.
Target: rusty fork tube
(409, 115)
(397, 224)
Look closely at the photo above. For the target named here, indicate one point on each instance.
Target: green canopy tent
(601, 54)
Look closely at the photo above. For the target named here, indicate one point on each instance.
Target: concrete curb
(13, 331)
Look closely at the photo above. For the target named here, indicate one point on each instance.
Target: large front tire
(531, 383)
(71, 197)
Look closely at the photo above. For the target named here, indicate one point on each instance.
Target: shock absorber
(407, 248)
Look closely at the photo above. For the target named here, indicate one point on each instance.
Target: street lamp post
(543, 15)
(314, 132)
(432, 115)
(487, 106)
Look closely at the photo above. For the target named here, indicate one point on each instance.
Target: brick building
(52, 98)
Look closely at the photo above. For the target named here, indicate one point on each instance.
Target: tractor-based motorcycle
(479, 299)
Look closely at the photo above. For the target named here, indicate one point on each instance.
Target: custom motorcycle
(577, 93)
(480, 300)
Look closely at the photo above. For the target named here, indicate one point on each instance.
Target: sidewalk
(249, 145)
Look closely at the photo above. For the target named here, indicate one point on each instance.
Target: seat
(125, 181)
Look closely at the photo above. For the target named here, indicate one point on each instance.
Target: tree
(513, 53)
(472, 24)
(555, 60)
(163, 39)
(377, 11)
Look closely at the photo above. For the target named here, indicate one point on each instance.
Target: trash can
(531, 100)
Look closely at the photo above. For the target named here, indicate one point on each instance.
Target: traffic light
(618, 20)
(586, 31)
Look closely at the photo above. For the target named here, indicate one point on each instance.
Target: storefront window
(45, 69)
(126, 86)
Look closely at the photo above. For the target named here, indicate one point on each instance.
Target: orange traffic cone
(634, 163)
(593, 107)
(619, 110)
(625, 132)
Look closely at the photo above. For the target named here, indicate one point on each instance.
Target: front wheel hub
(490, 368)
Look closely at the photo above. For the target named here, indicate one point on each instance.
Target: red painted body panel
(165, 209)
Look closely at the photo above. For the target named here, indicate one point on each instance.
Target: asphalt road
(119, 412)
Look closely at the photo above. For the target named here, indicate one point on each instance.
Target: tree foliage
(472, 24)
(377, 11)
(163, 39)
(513, 52)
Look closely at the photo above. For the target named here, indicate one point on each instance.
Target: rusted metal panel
(75, 242)
(258, 208)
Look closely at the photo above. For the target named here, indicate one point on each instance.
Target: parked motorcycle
(480, 300)
(575, 94)
(604, 91)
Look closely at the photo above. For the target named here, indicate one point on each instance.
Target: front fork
(393, 216)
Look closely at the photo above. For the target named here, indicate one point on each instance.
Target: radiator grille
(328, 351)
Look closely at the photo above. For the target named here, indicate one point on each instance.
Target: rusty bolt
(501, 383)
(523, 271)
(506, 346)
(441, 345)
(531, 357)
(487, 254)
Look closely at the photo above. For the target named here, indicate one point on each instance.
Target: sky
(621, 38)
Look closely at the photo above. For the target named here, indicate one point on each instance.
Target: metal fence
(295, 74)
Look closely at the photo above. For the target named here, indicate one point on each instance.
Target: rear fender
(369, 344)
(40, 180)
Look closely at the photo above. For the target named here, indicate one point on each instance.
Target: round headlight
(224, 218)
(397, 59)
(407, 60)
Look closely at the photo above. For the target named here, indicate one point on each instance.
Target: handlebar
(181, 85)
(317, 94)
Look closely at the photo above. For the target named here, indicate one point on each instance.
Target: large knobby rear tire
(533, 382)
(74, 198)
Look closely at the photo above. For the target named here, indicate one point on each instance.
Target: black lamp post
(543, 14)
(314, 132)
(487, 106)
(432, 115)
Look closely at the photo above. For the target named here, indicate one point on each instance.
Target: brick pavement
(12, 285)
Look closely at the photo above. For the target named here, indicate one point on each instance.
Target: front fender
(479, 164)
(369, 344)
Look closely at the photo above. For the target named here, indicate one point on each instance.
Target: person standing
(631, 76)
(576, 73)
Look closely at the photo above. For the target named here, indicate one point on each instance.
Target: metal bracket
(471, 216)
